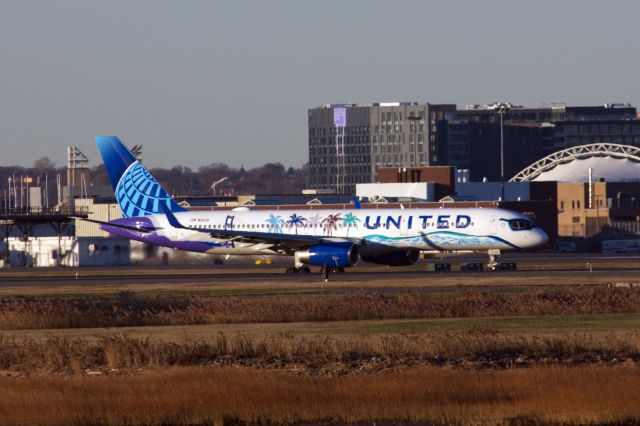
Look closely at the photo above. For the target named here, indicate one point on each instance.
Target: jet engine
(338, 256)
(396, 258)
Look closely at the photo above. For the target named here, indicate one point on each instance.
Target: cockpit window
(520, 224)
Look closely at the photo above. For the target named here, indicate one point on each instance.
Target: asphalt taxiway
(85, 277)
(540, 270)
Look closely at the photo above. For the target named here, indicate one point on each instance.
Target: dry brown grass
(140, 310)
(477, 348)
(219, 284)
(228, 395)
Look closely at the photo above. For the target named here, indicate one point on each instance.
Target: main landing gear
(300, 267)
(325, 270)
(300, 270)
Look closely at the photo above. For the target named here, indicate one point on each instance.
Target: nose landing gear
(494, 256)
(495, 264)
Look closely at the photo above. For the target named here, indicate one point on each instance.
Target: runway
(536, 270)
(543, 257)
(228, 281)
(85, 277)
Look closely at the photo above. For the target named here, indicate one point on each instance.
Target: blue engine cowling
(339, 256)
(396, 258)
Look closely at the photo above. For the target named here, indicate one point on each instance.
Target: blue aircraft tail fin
(356, 202)
(137, 192)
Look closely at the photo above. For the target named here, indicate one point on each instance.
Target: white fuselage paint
(379, 230)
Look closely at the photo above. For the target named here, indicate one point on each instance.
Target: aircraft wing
(281, 242)
(284, 243)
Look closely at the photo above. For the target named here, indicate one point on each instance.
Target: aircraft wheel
(325, 271)
(305, 270)
(292, 270)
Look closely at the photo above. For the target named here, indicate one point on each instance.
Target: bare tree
(44, 165)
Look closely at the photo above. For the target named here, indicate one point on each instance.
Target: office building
(471, 140)
(349, 142)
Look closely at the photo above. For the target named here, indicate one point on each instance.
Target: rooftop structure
(610, 162)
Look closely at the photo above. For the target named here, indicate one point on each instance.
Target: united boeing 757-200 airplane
(329, 238)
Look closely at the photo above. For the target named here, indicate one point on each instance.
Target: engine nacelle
(396, 258)
(339, 256)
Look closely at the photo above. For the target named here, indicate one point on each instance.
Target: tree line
(270, 178)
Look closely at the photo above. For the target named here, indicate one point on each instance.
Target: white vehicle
(331, 238)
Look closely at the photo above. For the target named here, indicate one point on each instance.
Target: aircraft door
(493, 226)
(404, 227)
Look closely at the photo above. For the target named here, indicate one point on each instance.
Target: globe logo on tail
(140, 194)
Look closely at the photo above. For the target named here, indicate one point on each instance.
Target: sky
(201, 82)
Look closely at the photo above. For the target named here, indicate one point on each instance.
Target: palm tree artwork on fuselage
(330, 223)
(275, 224)
(314, 223)
(295, 221)
(350, 220)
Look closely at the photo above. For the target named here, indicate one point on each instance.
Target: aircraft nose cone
(540, 237)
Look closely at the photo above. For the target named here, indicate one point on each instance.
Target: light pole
(216, 183)
(501, 108)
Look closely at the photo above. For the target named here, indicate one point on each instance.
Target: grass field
(425, 395)
(315, 354)
(510, 349)
(134, 310)
(540, 325)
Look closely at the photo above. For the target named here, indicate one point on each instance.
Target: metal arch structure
(578, 152)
